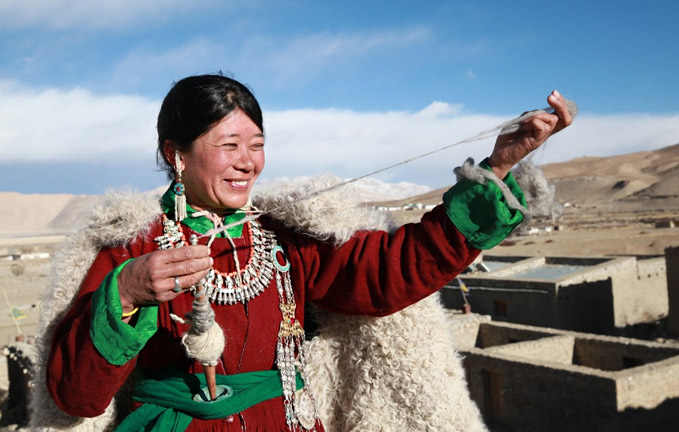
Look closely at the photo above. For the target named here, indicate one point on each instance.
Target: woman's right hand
(150, 278)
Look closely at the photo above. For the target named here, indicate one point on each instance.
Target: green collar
(201, 224)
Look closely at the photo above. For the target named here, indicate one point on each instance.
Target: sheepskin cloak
(393, 373)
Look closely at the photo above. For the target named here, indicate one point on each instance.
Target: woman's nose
(244, 162)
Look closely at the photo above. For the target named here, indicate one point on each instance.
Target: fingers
(538, 128)
(185, 282)
(541, 122)
(150, 278)
(187, 273)
(183, 268)
(510, 148)
(185, 253)
(181, 261)
(558, 102)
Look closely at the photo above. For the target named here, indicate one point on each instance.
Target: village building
(526, 378)
(672, 257)
(592, 295)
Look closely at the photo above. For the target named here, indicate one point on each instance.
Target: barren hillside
(620, 205)
(639, 187)
(33, 213)
(644, 175)
(589, 180)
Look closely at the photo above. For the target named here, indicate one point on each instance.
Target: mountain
(37, 214)
(640, 177)
(634, 176)
(366, 189)
(33, 213)
(631, 182)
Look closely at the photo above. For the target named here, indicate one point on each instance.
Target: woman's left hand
(534, 131)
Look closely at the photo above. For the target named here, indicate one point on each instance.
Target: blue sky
(346, 87)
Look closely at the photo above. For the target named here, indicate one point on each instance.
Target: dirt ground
(599, 230)
(582, 232)
(621, 211)
(594, 231)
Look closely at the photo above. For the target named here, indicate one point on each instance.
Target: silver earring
(179, 190)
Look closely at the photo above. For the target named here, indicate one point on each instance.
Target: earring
(179, 192)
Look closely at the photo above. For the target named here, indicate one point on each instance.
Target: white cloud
(186, 59)
(310, 54)
(293, 61)
(76, 125)
(60, 125)
(62, 14)
(350, 143)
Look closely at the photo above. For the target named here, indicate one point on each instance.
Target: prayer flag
(17, 314)
(463, 286)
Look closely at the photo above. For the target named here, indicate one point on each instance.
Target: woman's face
(223, 164)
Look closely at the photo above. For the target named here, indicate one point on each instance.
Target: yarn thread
(504, 128)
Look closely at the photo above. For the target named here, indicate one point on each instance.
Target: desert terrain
(622, 205)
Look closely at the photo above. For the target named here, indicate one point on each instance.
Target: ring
(176, 288)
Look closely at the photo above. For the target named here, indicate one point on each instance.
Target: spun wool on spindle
(204, 341)
(348, 350)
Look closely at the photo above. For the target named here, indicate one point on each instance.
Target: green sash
(169, 404)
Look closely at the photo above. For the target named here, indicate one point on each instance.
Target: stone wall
(580, 294)
(526, 378)
(583, 306)
(557, 349)
(586, 306)
(672, 262)
(507, 301)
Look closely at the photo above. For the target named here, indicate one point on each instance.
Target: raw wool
(333, 215)
(393, 373)
(403, 369)
(112, 221)
(376, 374)
(540, 195)
(482, 175)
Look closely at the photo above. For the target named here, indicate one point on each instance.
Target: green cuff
(480, 211)
(116, 340)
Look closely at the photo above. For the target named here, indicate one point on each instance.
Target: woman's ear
(169, 150)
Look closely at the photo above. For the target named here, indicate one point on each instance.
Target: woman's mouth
(238, 183)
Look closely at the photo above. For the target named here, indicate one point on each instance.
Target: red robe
(374, 273)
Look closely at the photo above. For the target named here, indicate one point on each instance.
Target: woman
(120, 326)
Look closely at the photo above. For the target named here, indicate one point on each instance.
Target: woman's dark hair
(194, 105)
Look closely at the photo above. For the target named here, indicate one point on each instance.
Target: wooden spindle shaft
(210, 371)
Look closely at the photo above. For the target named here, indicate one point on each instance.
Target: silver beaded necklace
(241, 286)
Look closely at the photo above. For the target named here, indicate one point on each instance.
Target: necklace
(240, 285)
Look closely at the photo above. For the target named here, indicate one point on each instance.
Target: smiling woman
(220, 145)
(133, 275)
(222, 164)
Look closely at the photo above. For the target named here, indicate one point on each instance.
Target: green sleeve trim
(480, 211)
(118, 342)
